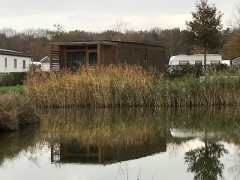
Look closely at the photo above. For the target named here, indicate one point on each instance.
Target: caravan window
(198, 62)
(215, 62)
(183, 62)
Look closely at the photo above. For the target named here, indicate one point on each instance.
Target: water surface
(122, 144)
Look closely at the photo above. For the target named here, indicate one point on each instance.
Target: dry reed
(118, 86)
(15, 111)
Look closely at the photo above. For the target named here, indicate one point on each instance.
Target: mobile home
(236, 61)
(183, 59)
(13, 61)
(71, 55)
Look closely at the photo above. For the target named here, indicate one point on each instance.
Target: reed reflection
(105, 136)
(13, 143)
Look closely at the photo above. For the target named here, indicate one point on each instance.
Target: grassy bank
(17, 88)
(16, 111)
(118, 86)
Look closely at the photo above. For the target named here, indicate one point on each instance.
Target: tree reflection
(204, 162)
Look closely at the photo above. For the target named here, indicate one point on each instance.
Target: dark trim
(14, 53)
(104, 42)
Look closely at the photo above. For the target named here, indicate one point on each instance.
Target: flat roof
(104, 42)
(13, 53)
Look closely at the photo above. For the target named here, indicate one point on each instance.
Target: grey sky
(96, 15)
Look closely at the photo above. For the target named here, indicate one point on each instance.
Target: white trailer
(195, 59)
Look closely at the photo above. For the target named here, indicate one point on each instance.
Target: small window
(5, 62)
(24, 64)
(198, 62)
(146, 57)
(215, 62)
(15, 63)
(183, 62)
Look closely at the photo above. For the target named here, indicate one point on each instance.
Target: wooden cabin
(72, 55)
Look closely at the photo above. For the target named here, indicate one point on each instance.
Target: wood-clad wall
(121, 53)
(145, 56)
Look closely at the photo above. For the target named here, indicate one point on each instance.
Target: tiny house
(45, 64)
(13, 61)
(236, 61)
(196, 59)
(71, 55)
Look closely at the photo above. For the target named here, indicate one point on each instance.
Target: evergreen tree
(204, 29)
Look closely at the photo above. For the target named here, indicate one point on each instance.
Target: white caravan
(195, 59)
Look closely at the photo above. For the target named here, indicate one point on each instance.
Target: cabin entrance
(75, 59)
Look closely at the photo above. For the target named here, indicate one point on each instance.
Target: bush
(12, 79)
(15, 111)
(184, 70)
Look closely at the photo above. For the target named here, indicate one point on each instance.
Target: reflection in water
(13, 143)
(75, 152)
(216, 123)
(204, 162)
(107, 136)
(106, 127)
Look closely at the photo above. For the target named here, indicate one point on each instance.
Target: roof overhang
(102, 42)
(14, 53)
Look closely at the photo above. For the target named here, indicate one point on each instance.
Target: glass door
(75, 59)
(93, 59)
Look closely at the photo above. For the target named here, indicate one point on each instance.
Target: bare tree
(234, 22)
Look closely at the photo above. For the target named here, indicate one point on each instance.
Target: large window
(75, 59)
(5, 62)
(93, 58)
(15, 63)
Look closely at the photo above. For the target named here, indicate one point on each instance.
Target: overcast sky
(100, 15)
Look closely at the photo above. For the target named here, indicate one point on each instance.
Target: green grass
(17, 88)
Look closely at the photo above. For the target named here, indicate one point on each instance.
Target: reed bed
(131, 86)
(16, 111)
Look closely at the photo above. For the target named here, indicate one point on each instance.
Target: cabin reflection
(75, 152)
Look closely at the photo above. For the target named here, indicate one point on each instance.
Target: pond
(125, 144)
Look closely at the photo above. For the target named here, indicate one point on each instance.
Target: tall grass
(16, 111)
(118, 86)
(97, 87)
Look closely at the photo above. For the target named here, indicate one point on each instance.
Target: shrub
(15, 111)
(12, 79)
(184, 70)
